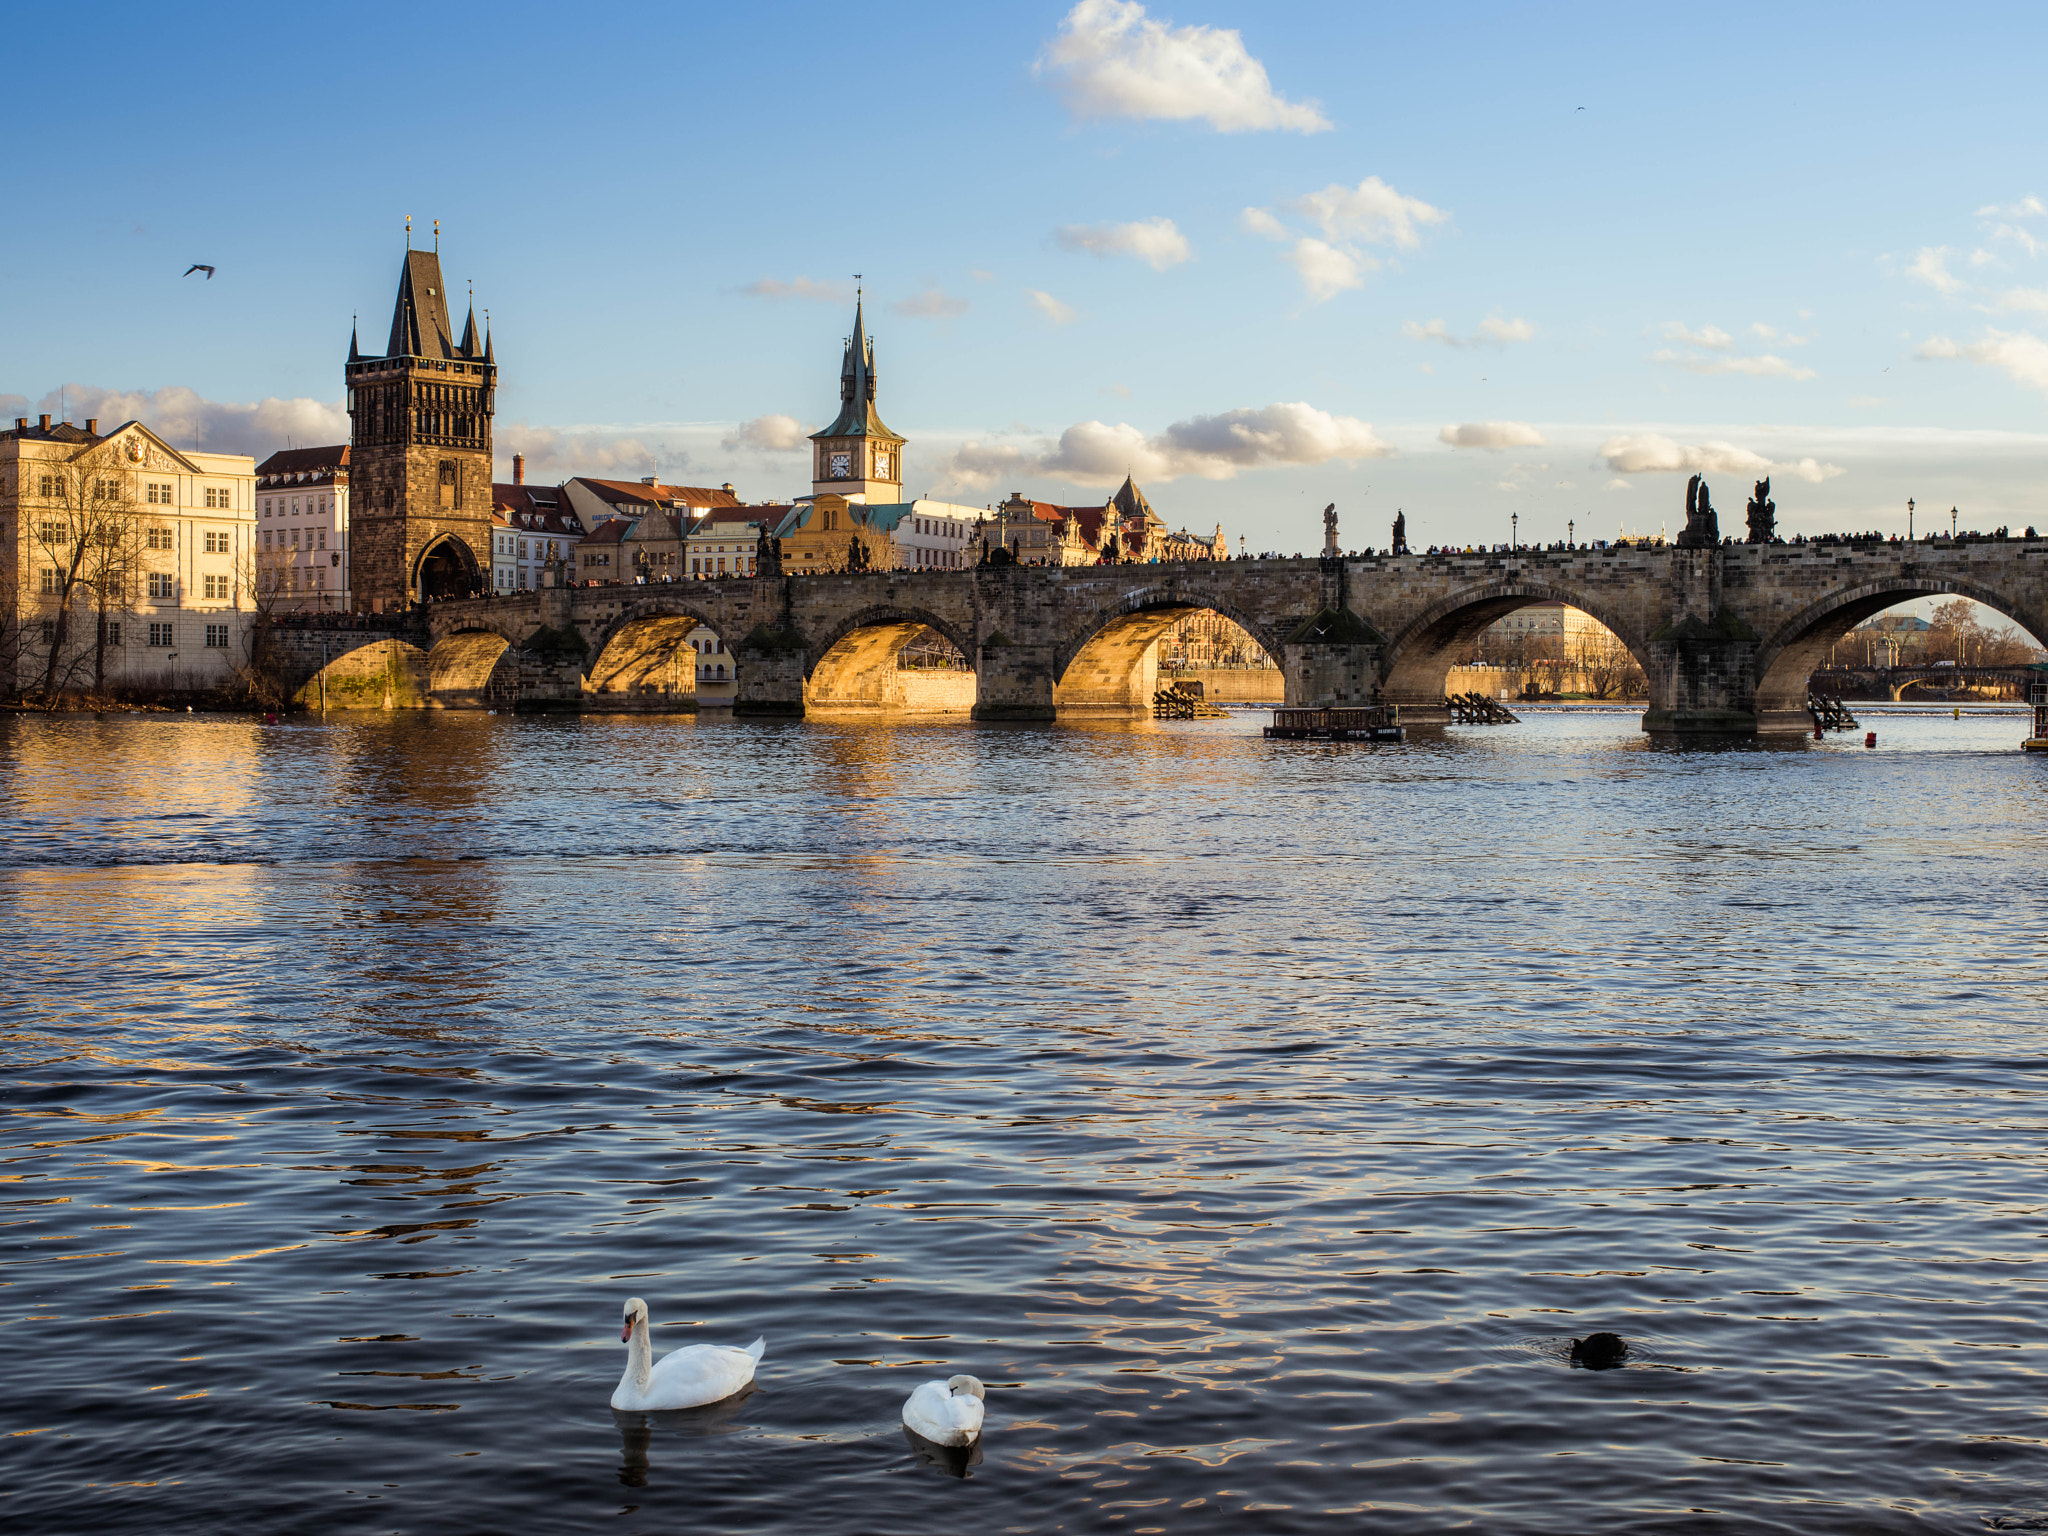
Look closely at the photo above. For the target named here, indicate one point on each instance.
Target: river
(1260, 1121)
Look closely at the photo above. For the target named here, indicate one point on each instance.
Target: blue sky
(1267, 257)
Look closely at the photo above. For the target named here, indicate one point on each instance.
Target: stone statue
(1400, 532)
(1763, 514)
(1702, 531)
(1330, 529)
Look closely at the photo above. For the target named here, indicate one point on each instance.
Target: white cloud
(1763, 366)
(1712, 337)
(1491, 435)
(1616, 484)
(186, 419)
(1652, 452)
(981, 274)
(1212, 447)
(1111, 60)
(2023, 298)
(1121, 391)
(556, 455)
(1491, 332)
(1372, 212)
(1767, 332)
(1050, 307)
(934, 303)
(1259, 221)
(2029, 207)
(1156, 242)
(798, 288)
(1325, 270)
(2020, 355)
(1931, 268)
(766, 434)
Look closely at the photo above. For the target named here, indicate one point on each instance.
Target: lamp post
(1909, 519)
(1951, 522)
(1571, 533)
(1514, 533)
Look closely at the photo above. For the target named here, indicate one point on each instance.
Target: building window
(451, 491)
(320, 580)
(46, 485)
(160, 634)
(216, 496)
(49, 631)
(160, 584)
(216, 543)
(156, 493)
(216, 637)
(114, 635)
(216, 587)
(49, 581)
(158, 537)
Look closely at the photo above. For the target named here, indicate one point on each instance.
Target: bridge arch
(854, 667)
(639, 661)
(1789, 657)
(1418, 659)
(461, 668)
(1107, 666)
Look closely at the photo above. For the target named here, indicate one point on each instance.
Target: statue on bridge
(1763, 514)
(1400, 532)
(1702, 528)
(1330, 529)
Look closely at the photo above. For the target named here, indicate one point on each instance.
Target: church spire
(355, 351)
(467, 346)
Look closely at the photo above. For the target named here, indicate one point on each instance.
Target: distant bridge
(1896, 680)
(1727, 637)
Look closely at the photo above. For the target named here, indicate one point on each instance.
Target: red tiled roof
(303, 466)
(617, 491)
(610, 531)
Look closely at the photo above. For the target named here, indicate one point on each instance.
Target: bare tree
(84, 545)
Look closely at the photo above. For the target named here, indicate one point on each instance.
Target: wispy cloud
(2020, 355)
(1157, 242)
(1050, 307)
(798, 288)
(1930, 266)
(1491, 435)
(1494, 332)
(1212, 447)
(1326, 271)
(1111, 60)
(554, 454)
(766, 434)
(1652, 452)
(1712, 337)
(933, 303)
(1762, 366)
(1371, 213)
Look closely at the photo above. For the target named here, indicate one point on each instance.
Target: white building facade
(302, 530)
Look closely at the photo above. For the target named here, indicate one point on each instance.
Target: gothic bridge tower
(420, 449)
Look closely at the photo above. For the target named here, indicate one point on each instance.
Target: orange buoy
(1870, 738)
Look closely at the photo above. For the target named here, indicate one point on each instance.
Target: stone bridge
(1727, 637)
(1896, 682)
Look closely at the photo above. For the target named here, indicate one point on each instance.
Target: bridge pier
(1013, 682)
(769, 674)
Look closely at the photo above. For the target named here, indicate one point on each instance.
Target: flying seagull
(200, 266)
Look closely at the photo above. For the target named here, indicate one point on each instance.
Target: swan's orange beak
(626, 1333)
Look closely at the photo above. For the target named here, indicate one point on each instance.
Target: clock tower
(858, 456)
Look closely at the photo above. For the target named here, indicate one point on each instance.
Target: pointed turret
(468, 344)
(489, 355)
(419, 318)
(857, 414)
(355, 351)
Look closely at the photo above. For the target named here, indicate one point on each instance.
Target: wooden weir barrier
(1478, 709)
(1380, 722)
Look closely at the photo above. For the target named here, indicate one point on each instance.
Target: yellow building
(125, 562)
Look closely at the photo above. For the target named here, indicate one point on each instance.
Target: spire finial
(408, 231)
(437, 237)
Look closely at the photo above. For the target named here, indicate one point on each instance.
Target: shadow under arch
(1419, 658)
(1787, 659)
(644, 661)
(855, 666)
(447, 567)
(461, 666)
(1108, 668)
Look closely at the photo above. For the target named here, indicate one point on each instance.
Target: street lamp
(1951, 522)
(1514, 535)
(1909, 519)
(1571, 533)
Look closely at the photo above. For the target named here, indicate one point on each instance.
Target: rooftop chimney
(92, 425)
(46, 421)
(21, 423)
(519, 469)
(727, 488)
(650, 479)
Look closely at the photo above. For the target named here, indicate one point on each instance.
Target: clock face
(882, 464)
(840, 466)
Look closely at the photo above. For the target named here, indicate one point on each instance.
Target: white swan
(946, 1412)
(685, 1378)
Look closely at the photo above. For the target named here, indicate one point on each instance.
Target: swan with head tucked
(683, 1378)
(946, 1412)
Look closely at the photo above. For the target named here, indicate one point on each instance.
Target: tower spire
(355, 351)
